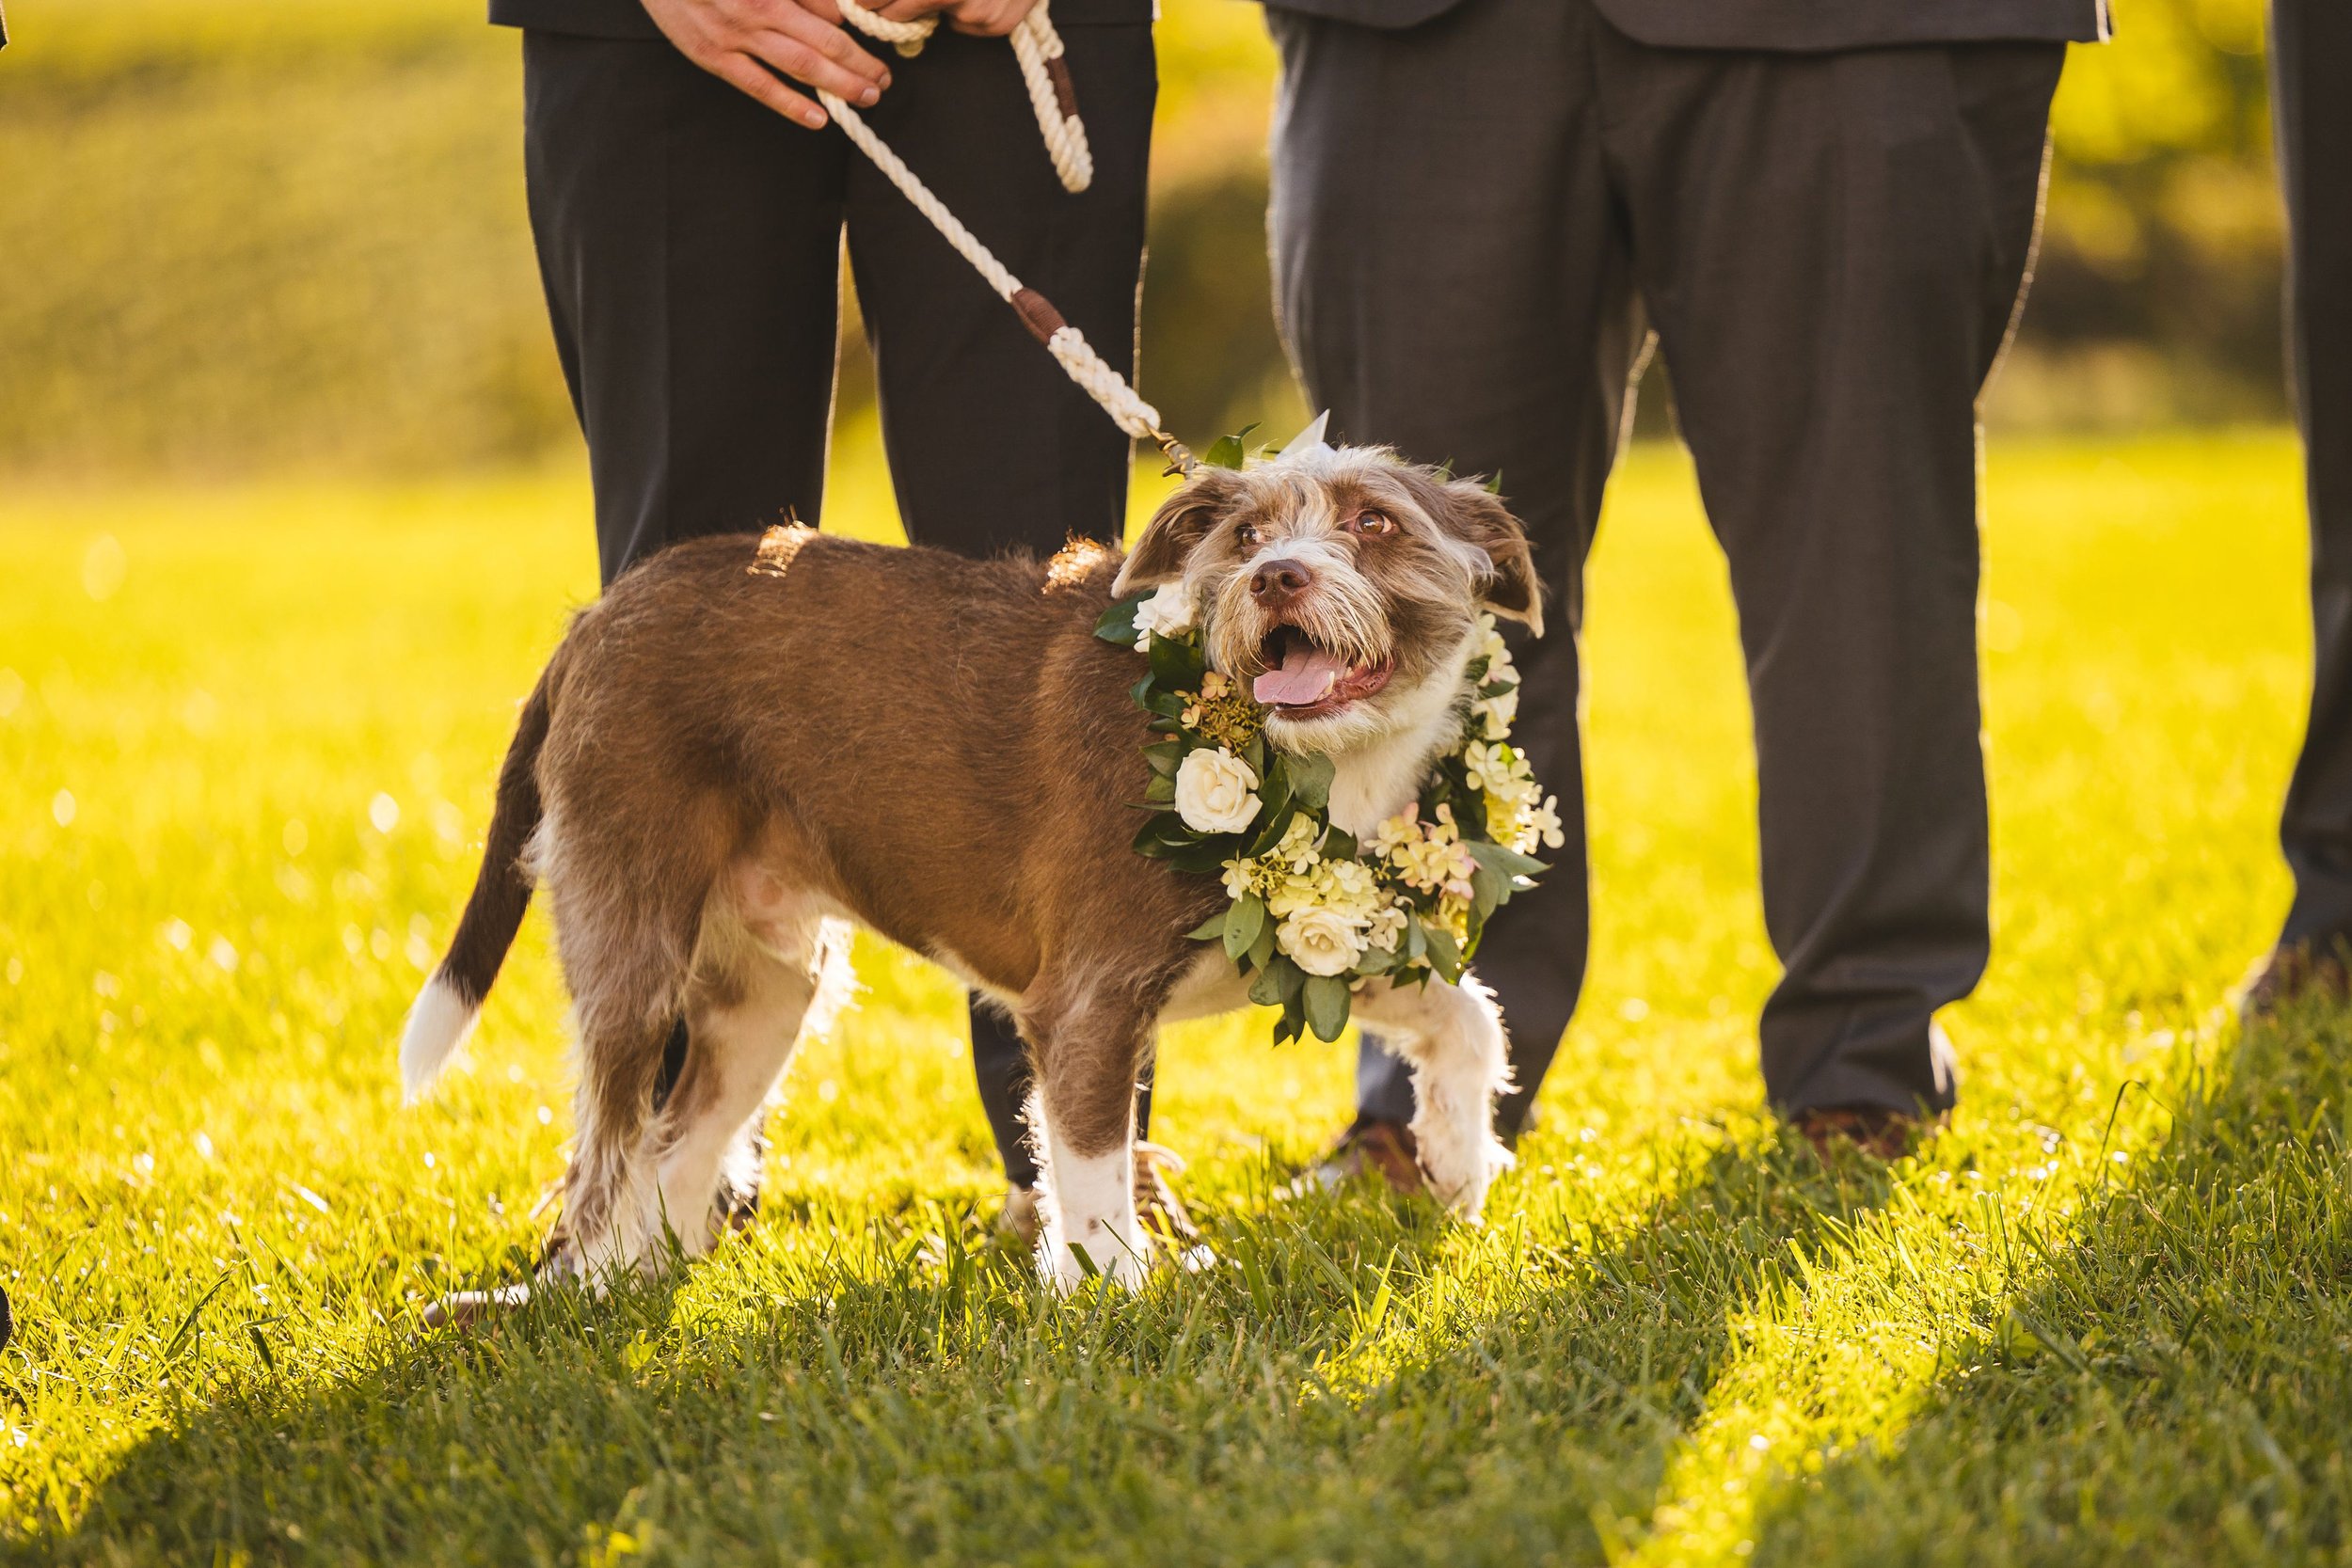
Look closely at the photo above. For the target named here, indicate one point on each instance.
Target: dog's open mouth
(1305, 680)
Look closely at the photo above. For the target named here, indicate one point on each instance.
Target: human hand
(982, 18)
(739, 41)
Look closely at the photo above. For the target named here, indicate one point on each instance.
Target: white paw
(1066, 1272)
(1460, 1163)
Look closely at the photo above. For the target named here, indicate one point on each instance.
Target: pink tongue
(1306, 673)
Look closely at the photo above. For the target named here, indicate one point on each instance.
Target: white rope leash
(1057, 112)
(1038, 47)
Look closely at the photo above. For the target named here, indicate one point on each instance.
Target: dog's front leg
(1086, 1052)
(1453, 1035)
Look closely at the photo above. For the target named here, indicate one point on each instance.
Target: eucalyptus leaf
(1292, 979)
(1159, 790)
(1266, 990)
(1262, 950)
(1244, 920)
(1209, 929)
(1117, 623)
(1339, 844)
(1327, 1004)
(1310, 779)
(1226, 452)
(1489, 888)
(1445, 956)
(1503, 861)
(1176, 666)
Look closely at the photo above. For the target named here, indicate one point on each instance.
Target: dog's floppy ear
(1474, 514)
(1182, 521)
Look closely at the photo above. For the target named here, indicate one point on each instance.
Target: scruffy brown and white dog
(746, 743)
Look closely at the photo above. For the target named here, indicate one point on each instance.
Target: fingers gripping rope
(1068, 345)
(1038, 48)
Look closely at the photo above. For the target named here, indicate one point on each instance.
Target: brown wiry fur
(714, 707)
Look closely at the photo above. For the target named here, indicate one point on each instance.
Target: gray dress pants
(1477, 222)
(2311, 49)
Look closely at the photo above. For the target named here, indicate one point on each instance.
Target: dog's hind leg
(628, 910)
(1453, 1035)
(756, 994)
(1087, 1045)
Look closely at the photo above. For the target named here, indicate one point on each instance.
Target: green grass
(2103, 1318)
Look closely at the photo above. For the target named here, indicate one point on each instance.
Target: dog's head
(1341, 587)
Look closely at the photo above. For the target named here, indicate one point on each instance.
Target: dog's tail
(445, 1010)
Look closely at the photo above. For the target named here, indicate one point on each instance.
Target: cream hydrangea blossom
(1169, 611)
(1214, 791)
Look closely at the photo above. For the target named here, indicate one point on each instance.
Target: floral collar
(1313, 912)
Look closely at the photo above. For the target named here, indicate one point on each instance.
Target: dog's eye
(1371, 523)
(1247, 535)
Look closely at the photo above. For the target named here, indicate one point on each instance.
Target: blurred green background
(245, 236)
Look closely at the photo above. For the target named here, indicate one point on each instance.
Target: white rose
(1320, 941)
(1169, 611)
(1213, 792)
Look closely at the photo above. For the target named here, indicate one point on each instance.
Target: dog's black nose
(1278, 582)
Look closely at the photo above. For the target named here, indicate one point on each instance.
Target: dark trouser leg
(1452, 278)
(1833, 248)
(689, 242)
(2311, 48)
(991, 447)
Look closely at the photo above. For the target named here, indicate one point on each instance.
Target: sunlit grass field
(246, 745)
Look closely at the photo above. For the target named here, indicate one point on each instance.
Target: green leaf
(1209, 929)
(1226, 451)
(1503, 862)
(1176, 666)
(1162, 835)
(1243, 921)
(1310, 779)
(1292, 979)
(1266, 990)
(1203, 855)
(1254, 755)
(1416, 942)
(1274, 806)
(1164, 756)
(1377, 961)
(1327, 1004)
(1262, 950)
(1444, 955)
(1494, 486)
(1339, 844)
(1159, 790)
(1489, 888)
(1117, 623)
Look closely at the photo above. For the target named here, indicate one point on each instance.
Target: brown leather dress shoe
(1386, 1149)
(1880, 1133)
(2293, 970)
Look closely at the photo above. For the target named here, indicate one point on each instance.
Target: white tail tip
(438, 1025)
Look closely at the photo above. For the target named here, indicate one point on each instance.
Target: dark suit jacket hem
(1807, 26)
(626, 19)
